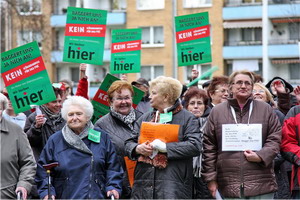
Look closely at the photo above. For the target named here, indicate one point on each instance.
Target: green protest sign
(126, 51)
(84, 36)
(100, 100)
(193, 39)
(25, 77)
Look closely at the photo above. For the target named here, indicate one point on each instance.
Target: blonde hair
(268, 93)
(167, 86)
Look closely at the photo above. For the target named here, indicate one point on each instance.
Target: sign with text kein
(100, 100)
(25, 77)
(193, 39)
(85, 35)
(126, 51)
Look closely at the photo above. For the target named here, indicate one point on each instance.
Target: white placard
(240, 137)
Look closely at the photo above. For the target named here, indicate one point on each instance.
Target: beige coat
(18, 166)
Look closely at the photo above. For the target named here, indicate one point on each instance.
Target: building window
(201, 68)
(75, 74)
(119, 5)
(196, 3)
(29, 6)
(152, 36)
(150, 4)
(294, 69)
(229, 66)
(151, 72)
(251, 34)
(25, 37)
(294, 30)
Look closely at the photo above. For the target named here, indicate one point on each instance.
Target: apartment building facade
(244, 37)
(236, 35)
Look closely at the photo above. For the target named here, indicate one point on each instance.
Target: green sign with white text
(126, 51)
(85, 35)
(193, 39)
(25, 77)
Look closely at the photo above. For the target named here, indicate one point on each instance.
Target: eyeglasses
(121, 99)
(258, 91)
(222, 91)
(193, 103)
(240, 83)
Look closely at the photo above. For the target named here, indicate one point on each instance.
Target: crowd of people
(232, 137)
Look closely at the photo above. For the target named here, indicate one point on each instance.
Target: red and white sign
(192, 34)
(85, 30)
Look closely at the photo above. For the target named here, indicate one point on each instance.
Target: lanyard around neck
(250, 112)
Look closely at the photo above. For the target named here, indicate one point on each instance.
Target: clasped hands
(147, 148)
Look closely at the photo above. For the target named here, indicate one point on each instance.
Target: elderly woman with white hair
(88, 164)
(169, 174)
(17, 162)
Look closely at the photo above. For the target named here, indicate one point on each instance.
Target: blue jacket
(80, 175)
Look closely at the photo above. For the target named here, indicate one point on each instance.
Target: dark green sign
(25, 77)
(193, 39)
(84, 36)
(126, 51)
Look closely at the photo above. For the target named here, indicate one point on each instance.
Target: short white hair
(82, 102)
(3, 101)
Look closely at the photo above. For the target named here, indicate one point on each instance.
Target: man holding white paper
(241, 140)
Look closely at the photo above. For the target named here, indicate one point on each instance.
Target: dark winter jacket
(118, 132)
(175, 181)
(38, 136)
(80, 175)
(234, 174)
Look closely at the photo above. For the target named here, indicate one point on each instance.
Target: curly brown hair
(195, 92)
(216, 81)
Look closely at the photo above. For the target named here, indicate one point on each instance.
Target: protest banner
(85, 35)
(126, 51)
(193, 39)
(100, 100)
(165, 132)
(25, 77)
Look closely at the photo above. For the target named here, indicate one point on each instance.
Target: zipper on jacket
(91, 177)
(241, 161)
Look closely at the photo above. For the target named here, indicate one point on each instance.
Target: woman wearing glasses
(241, 140)
(218, 90)
(119, 123)
(261, 93)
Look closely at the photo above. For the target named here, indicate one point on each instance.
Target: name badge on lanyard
(240, 137)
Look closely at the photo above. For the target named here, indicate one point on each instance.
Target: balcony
(255, 51)
(254, 10)
(57, 56)
(113, 18)
(235, 3)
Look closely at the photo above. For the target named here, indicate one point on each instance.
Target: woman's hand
(144, 149)
(39, 121)
(297, 94)
(46, 197)
(23, 191)
(113, 192)
(212, 187)
(251, 156)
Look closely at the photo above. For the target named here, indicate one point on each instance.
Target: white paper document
(240, 137)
